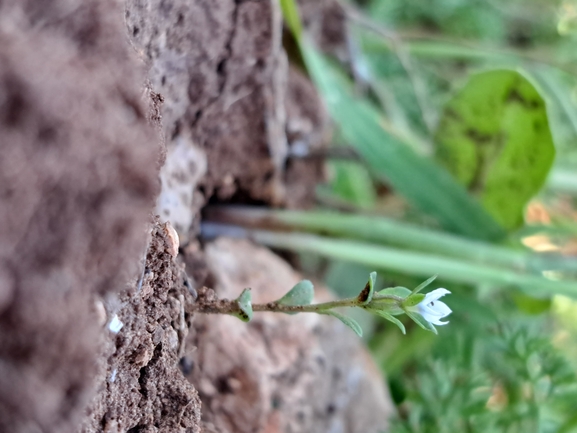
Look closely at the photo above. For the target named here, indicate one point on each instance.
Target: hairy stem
(311, 308)
(225, 306)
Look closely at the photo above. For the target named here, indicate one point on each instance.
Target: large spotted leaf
(494, 137)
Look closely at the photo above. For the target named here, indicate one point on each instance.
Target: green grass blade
(418, 264)
(373, 229)
(291, 16)
(419, 180)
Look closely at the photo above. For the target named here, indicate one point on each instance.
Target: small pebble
(111, 426)
(234, 384)
(207, 387)
(100, 312)
(157, 335)
(172, 238)
(186, 365)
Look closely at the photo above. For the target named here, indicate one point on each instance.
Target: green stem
(413, 263)
(374, 229)
(311, 308)
(429, 46)
(225, 306)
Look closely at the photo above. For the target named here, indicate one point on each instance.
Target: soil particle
(279, 373)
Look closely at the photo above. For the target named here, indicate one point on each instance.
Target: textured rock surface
(141, 387)
(223, 74)
(221, 70)
(77, 181)
(279, 373)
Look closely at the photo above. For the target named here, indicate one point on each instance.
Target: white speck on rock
(115, 325)
(172, 337)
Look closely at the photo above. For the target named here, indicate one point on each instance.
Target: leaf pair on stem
(425, 310)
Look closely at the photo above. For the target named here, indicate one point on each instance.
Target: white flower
(432, 309)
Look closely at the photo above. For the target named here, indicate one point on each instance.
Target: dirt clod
(141, 383)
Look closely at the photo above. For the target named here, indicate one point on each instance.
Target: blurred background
(454, 153)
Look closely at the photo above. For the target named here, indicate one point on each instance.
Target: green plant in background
(512, 380)
(425, 310)
(494, 138)
(462, 113)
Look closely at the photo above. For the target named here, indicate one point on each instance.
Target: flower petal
(427, 310)
(431, 309)
(435, 294)
(441, 307)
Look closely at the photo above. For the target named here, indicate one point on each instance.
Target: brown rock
(221, 70)
(279, 373)
(229, 103)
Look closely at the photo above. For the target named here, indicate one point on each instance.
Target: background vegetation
(463, 119)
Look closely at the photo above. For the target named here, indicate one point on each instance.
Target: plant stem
(225, 306)
(311, 308)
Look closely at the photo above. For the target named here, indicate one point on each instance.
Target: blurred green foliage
(517, 21)
(494, 138)
(507, 360)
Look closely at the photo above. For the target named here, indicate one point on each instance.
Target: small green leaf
(401, 292)
(245, 304)
(413, 299)
(301, 294)
(424, 284)
(420, 320)
(390, 319)
(350, 322)
(366, 294)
